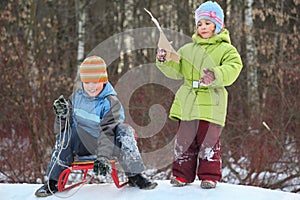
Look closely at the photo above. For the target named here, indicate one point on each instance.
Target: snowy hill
(164, 191)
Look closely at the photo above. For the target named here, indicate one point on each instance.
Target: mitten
(102, 166)
(161, 55)
(208, 78)
(61, 107)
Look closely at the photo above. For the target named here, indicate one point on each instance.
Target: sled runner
(85, 165)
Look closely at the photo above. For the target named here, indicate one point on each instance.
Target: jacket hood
(223, 36)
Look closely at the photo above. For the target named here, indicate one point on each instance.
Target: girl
(207, 65)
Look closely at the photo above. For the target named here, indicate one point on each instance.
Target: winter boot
(142, 182)
(179, 182)
(208, 184)
(46, 190)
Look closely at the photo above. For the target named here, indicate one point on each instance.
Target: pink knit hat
(211, 11)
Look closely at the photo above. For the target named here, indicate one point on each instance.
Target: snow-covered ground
(164, 191)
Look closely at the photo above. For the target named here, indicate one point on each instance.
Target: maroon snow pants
(198, 151)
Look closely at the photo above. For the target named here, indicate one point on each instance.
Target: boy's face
(206, 28)
(93, 88)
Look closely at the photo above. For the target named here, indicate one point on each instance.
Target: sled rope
(60, 147)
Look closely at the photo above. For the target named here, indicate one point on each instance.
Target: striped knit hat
(93, 69)
(211, 11)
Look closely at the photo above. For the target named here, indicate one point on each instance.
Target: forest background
(44, 41)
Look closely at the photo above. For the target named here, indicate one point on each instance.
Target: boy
(91, 123)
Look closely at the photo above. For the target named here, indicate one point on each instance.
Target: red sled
(84, 166)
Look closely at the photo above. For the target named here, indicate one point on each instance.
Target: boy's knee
(124, 129)
(125, 137)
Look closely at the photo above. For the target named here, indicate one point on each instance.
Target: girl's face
(93, 88)
(206, 28)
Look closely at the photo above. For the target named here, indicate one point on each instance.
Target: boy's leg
(67, 145)
(130, 159)
(63, 153)
(186, 151)
(210, 165)
(127, 151)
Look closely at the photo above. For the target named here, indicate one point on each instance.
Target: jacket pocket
(208, 97)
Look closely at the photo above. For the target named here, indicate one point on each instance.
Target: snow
(164, 191)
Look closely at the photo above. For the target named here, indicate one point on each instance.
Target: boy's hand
(102, 166)
(161, 55)
(61, 107)
(208, 78)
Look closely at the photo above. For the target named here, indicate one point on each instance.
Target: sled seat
(85, 163)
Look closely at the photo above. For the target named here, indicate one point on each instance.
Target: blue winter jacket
(95, 119)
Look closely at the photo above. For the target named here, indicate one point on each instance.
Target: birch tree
(251, 63)
(80, 6)
(81, 18)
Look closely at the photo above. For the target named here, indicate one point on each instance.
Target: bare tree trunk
(251, 63)
(81, 20)
(278, 57)
(31, 104)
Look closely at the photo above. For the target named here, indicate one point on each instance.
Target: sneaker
(141, 182)
(179, 182)
(45, 191)
(208, 184)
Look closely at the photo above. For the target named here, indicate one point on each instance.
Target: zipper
(217, 96)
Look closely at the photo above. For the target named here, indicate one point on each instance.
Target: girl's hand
(161, 55)
(208, 78)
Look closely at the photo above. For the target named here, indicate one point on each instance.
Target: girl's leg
(210, 163)
(186, 151)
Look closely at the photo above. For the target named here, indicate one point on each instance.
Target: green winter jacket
(207, 103)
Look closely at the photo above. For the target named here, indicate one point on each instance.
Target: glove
(102, 166)
(161, 55)
(61, 107)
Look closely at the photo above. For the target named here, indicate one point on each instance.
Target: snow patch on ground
(164, 191)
